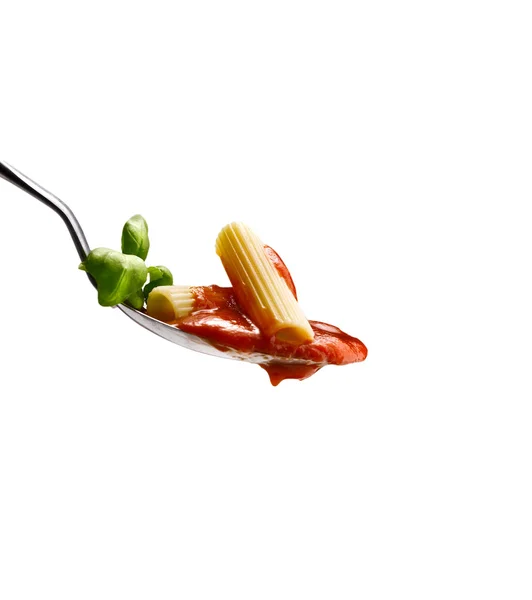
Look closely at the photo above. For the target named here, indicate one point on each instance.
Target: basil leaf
(158, 276)
(118, 276)
(135, 238)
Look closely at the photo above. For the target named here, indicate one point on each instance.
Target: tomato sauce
(218, 319)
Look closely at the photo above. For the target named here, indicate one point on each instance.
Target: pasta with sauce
(258, 319)
(258, 314)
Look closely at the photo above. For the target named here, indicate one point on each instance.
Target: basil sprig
(121, 276)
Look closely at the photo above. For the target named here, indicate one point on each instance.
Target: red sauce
(218, 318)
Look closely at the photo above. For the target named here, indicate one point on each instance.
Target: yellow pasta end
(259, 289)
(169, 303)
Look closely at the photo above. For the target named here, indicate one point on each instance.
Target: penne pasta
(169, 303)
(259, 289)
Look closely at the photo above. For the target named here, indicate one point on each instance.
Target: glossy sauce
(218, 318)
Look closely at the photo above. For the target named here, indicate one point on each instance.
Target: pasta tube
(259, 289)
(169, 303)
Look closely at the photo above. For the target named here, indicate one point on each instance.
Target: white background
(384, 149)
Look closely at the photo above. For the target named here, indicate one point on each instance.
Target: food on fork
(258, 317)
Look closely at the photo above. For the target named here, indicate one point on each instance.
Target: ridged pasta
(169, 303)
(259, 289)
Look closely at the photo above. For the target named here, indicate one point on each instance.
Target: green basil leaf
(158, 276)
(118, 276)
(135, 238)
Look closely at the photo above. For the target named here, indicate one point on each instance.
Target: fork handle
(20, 180)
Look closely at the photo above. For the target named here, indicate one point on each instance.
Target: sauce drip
(218, 319)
